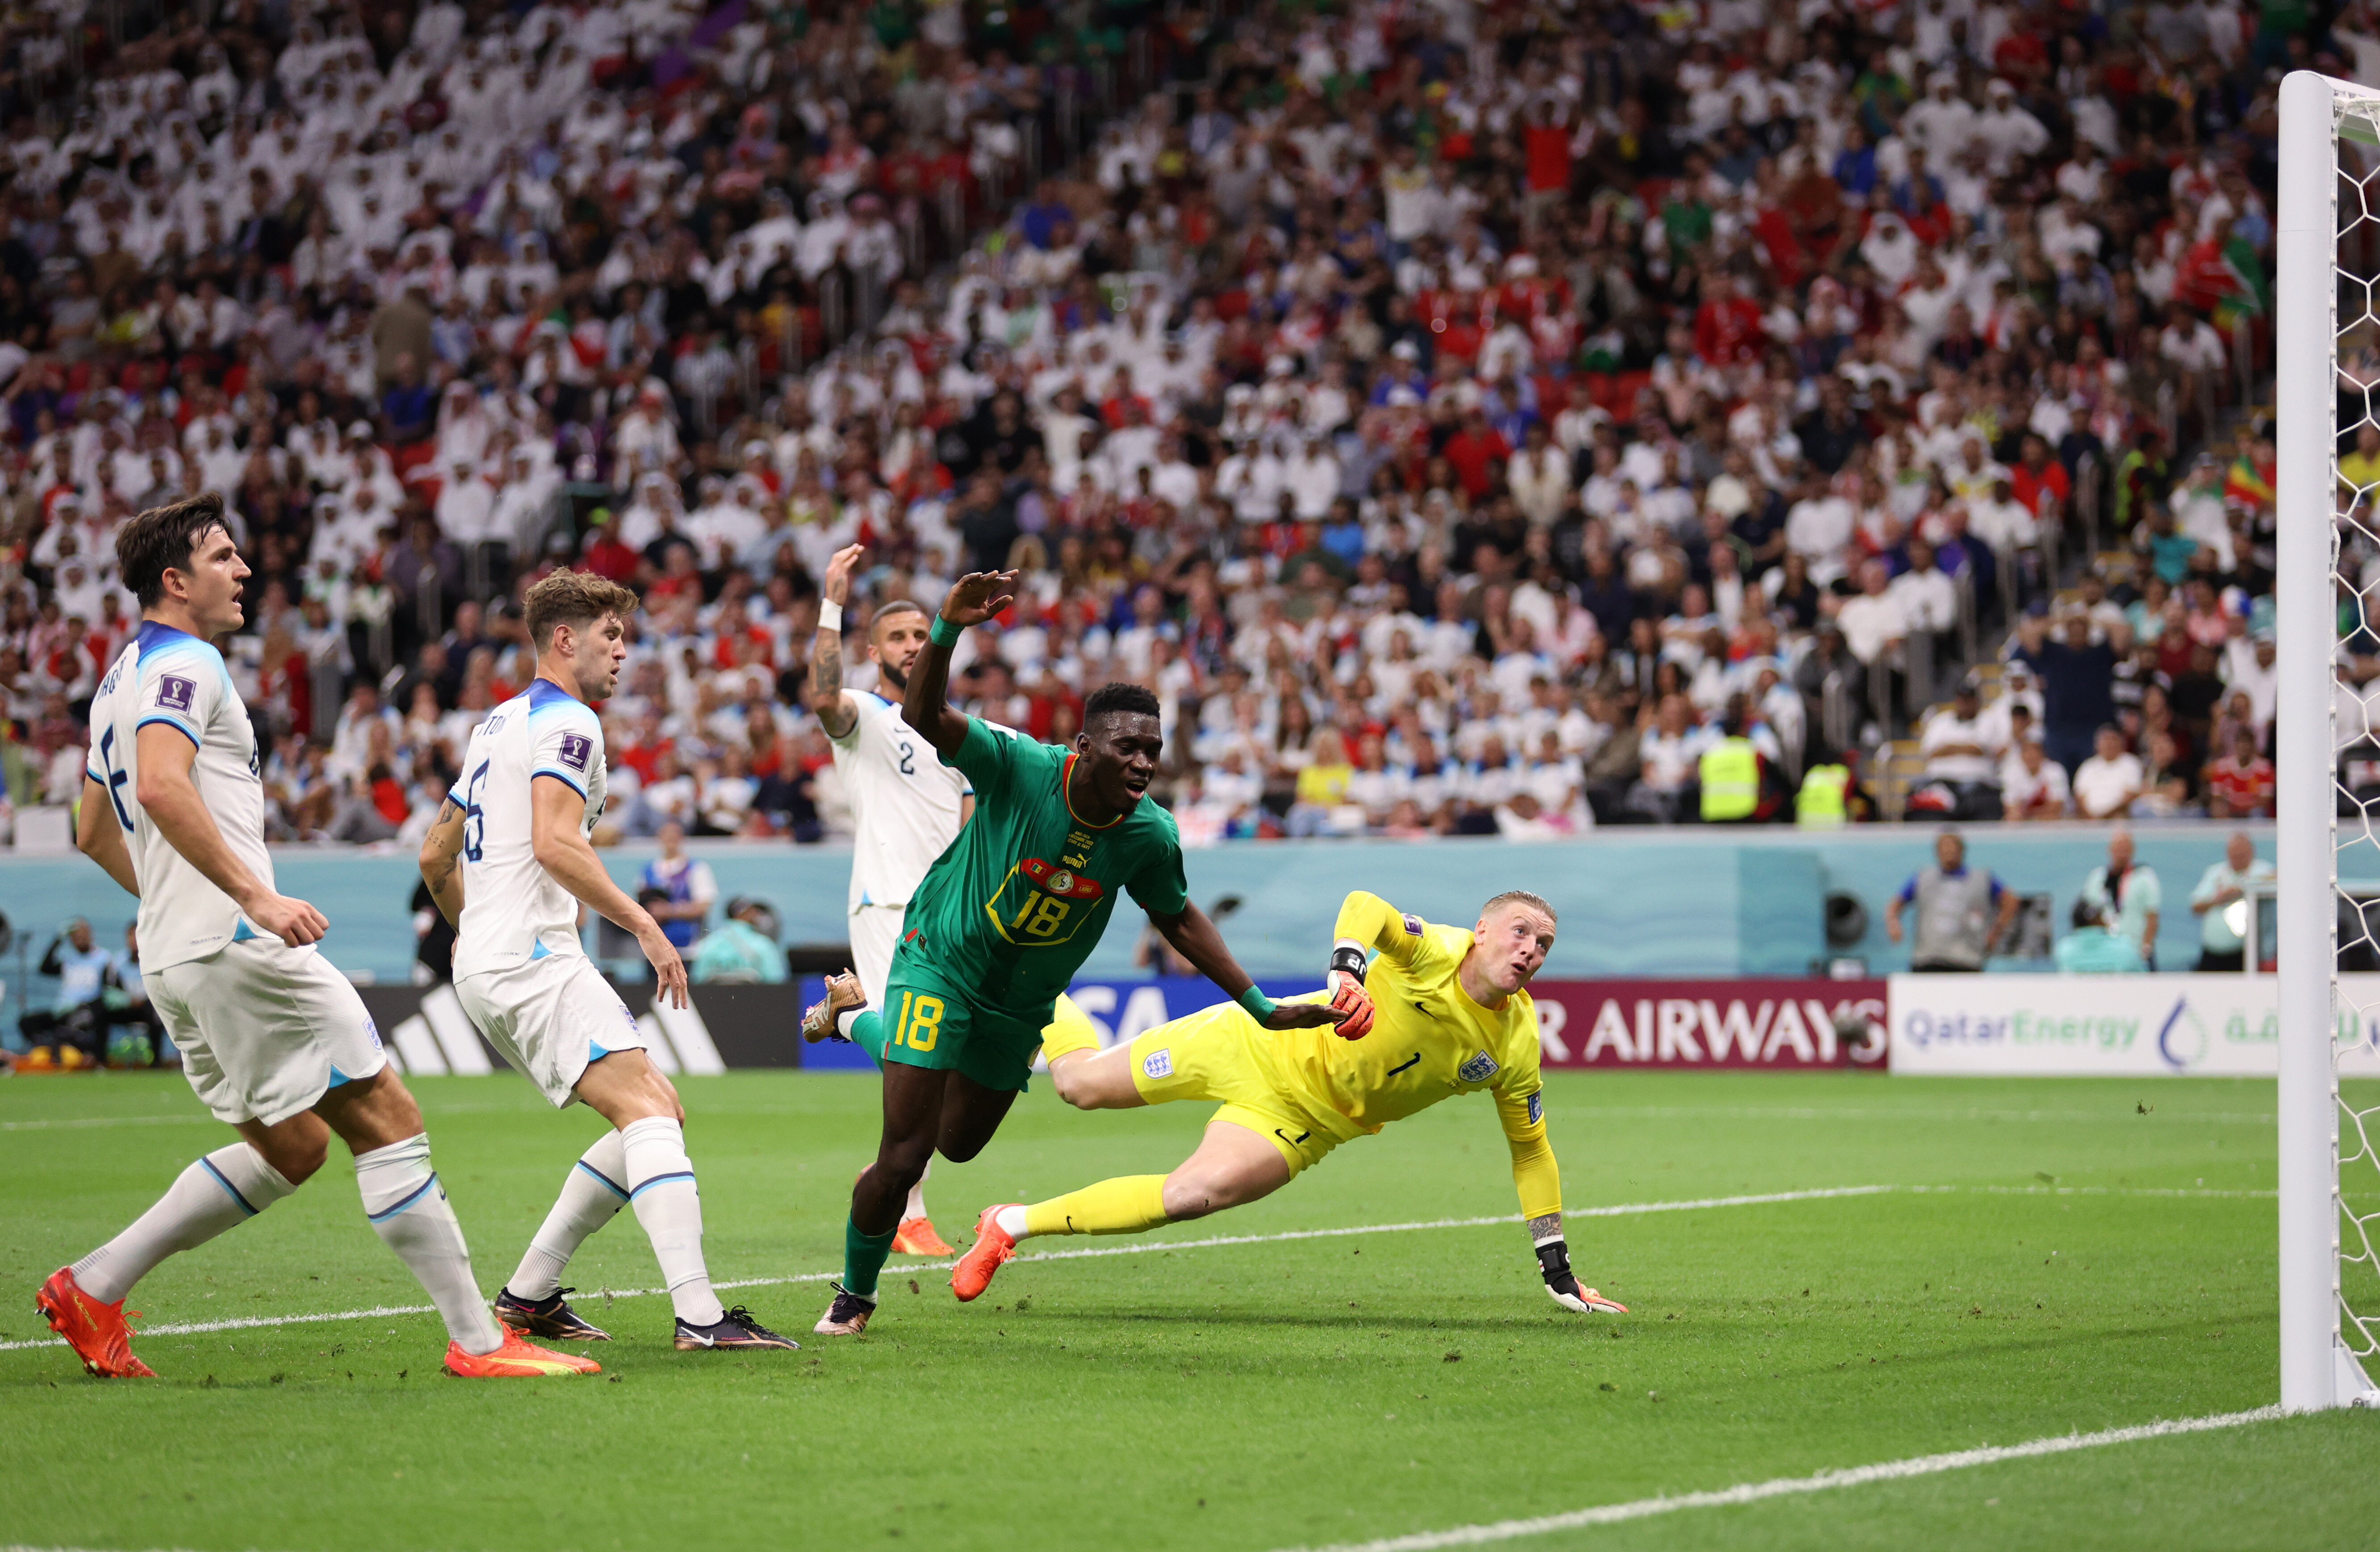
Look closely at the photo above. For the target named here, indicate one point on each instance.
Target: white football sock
(1012, 1222)
(661, 1187)
(225, 1188)
(596, 1188)
(916, 1205)
(408, 1209)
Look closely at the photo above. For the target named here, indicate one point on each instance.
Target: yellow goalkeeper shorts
(1221, 1053)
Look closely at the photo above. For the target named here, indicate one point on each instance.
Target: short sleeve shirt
(1019, 900)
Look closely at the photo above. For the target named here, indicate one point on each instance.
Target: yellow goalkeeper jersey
(1429, 1041)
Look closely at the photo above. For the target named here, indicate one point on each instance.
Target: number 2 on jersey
(920, 1021)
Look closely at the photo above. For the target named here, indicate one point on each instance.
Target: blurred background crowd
(1468, 418)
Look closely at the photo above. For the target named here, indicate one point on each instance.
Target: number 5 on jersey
(919, 1022)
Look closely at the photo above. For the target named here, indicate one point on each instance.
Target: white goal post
(2327, 339)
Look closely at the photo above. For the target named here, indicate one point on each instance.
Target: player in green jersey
(1000, 924)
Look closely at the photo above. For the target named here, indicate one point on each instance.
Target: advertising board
(2221, 1026)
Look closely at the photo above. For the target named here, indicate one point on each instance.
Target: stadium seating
(1416, 400)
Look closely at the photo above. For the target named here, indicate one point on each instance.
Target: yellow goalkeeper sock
(1125, 1205)
(1070, 1029)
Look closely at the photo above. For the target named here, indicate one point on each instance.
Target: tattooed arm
(828, 702)
(1522, 1108)
(442, 861)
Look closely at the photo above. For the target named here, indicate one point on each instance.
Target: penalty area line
(1144, 1247)
(1784, 1486)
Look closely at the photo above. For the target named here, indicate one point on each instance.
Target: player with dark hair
(1000, 924)
(275, 1040)
(1448, 1012)
(906, 806)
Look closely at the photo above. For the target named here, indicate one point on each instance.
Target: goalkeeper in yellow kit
(1440, 1012)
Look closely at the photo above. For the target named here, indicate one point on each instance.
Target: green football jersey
(1016, 904)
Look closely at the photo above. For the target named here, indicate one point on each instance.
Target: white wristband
(830, 615)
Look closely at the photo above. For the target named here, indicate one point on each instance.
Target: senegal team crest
(1043, 903)
(1063, 882)
(1478, 1069)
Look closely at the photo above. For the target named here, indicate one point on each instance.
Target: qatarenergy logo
(2026, 1026)
(2180, 1034)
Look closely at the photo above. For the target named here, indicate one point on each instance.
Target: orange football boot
(96, 1331)
(518, 1359)
(991, 1250)
(917, 1237)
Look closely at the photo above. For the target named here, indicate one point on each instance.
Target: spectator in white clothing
(2033, 786)
(1961, 748)
(2107, 783)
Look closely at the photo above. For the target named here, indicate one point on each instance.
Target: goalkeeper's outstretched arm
(1538, 1179)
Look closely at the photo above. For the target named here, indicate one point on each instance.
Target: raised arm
(1366, 921)
(442, 856)
(977, 597)
(1196, 939)
(99, 837)
(829, 703)
(180, 814)
(557, 812)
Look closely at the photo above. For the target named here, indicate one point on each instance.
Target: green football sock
(863, 1258)
(867, 1032)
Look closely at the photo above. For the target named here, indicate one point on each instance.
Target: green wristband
(1258, 1005)
(944, 633)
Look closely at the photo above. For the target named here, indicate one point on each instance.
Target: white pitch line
(198, 1327)
(1147, 1247)
(1777, 1487)
(1833, 1112)
(2087, 1191)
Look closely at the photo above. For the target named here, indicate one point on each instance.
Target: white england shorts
(550, 1016)
(266, 1030)
(875, 933)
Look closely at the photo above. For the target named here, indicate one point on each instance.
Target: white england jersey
(513, 911)
(173, 679)
(904, 801)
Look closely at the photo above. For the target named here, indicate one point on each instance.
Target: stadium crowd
(1466, 418)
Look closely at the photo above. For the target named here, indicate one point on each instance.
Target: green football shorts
(929, 1023)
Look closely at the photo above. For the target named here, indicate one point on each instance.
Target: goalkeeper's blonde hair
(1520, 897)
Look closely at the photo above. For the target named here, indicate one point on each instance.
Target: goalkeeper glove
(1553, 1263)
(1345, 984)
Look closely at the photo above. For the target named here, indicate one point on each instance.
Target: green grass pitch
(2095, 1267)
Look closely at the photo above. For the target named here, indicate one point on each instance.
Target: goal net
(2326, 340)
